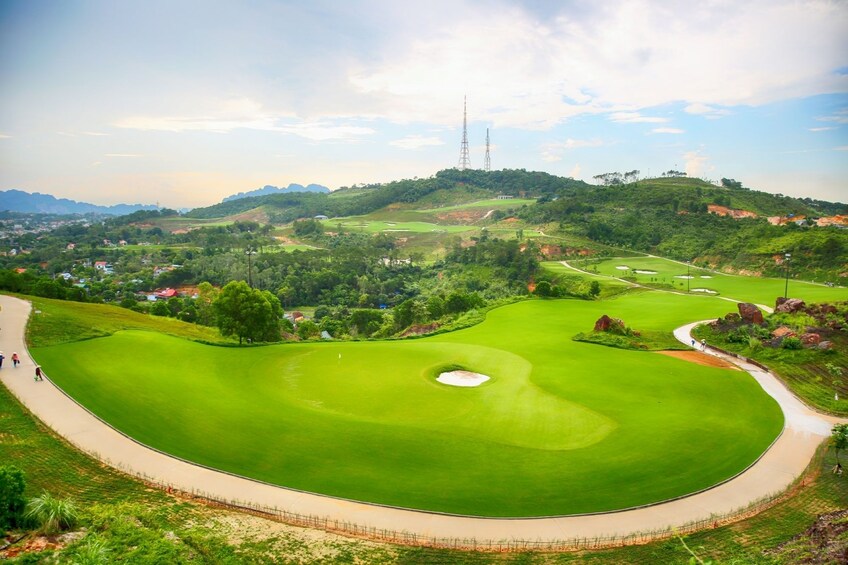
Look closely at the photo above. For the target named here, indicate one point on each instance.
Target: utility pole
(464, 160)
(249, 251)
(787, 257)
(487, 160)
(688, 277)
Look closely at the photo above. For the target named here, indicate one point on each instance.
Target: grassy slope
(388, 433)
(58, 321)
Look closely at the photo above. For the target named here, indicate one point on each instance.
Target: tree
(594, 289)
(12, 502)
(839, 441)
(544, 288)
(248, 313)
(206, 295)
(307, 329)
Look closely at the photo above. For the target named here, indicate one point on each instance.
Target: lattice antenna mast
(487, 160)
(464, 160)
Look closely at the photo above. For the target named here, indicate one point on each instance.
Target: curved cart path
(775, 470)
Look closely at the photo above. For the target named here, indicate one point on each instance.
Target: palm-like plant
(51, 514)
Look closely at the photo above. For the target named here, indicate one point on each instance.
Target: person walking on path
(703, 345)
(39, 376)
(1, 359)
(15, 360)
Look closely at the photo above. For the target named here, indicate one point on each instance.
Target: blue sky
(184, 103)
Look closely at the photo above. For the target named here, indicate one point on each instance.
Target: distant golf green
(560, 428)
(646, 270)
(490, 203)
(375, 226)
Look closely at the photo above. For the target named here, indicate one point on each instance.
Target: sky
(182, 103)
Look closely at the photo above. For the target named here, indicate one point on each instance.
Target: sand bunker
(462, 378)
(706, 277)
(683, 277)
(641, 272)
(701, 359)
(705, 290)
(623, 268)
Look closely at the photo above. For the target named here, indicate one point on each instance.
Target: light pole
(688, 278)
(249, 252)
(787, 257)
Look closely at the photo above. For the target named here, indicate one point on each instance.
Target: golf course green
(760, 290)
(561, 427)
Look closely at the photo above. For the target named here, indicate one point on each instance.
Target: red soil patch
(701, 359)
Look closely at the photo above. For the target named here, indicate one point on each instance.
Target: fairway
(375, 226)
(560, 428)
(760, 290)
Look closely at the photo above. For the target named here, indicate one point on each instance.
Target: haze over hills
(19, 201)
(268, 189)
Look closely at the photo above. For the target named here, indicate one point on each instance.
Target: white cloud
(636, 118)
(822, 129)
(840, 117)
(4, 136)
(553, 151)
(122, 155)
(696, 164)
(95, 133)
(416, 142)
(706, 110)
(245, 114)
(841, 148)
(519, 70)
(575, 172)
(667, 130)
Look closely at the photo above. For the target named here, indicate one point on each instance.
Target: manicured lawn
(490, 203)
(749, 289)
(562, 427)
(375, 226)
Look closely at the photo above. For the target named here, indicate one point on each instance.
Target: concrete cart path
(779, 466)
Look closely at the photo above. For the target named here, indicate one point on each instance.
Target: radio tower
(464, 160)
(487, 161)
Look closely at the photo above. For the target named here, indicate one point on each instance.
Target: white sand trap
(683, 277)
(706, 290)
(623, 268)
(641, 272)
(706, 277)
(462, 378)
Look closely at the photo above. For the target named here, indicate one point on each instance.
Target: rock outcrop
(749, 313)
(789, 305)
(610, 325)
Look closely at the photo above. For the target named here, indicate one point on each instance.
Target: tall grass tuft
(92, 551)
(51, 514)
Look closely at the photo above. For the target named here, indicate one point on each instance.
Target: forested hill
(450, 186)
(558, 197)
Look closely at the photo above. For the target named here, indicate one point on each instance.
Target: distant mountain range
(37, 203)
(268, 189)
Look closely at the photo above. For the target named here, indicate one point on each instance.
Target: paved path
(780, 465)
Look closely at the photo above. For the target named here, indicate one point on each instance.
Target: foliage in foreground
(12, 502)
(51, 514)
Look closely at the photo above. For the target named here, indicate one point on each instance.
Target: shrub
(51, 514)
(791, 343)
(12, 503)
